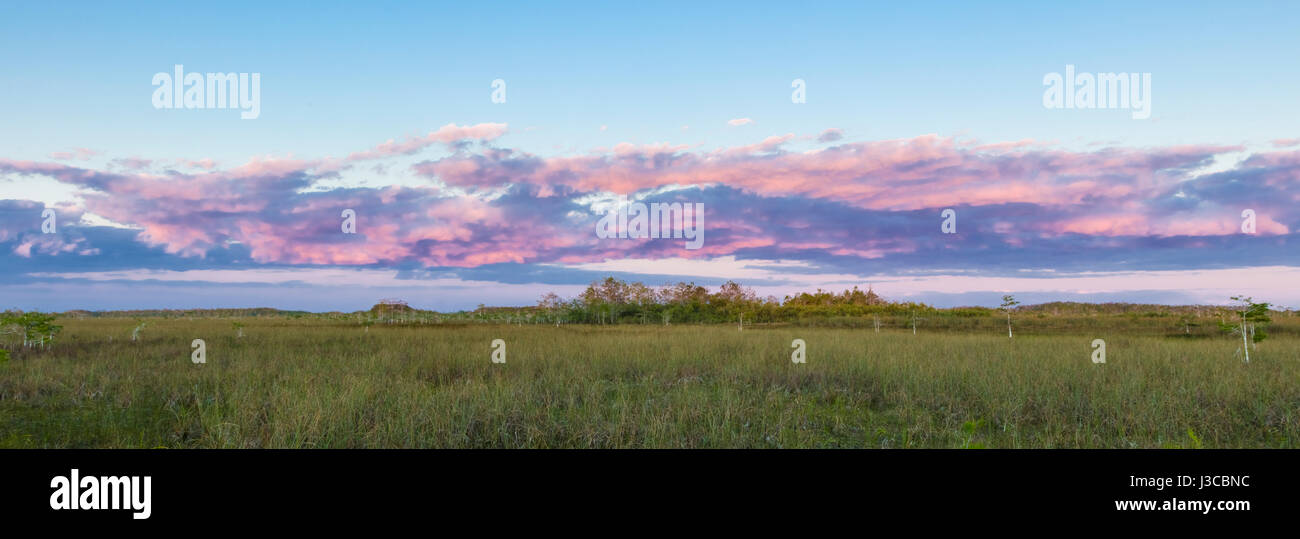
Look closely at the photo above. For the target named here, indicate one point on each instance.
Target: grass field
(318, 383)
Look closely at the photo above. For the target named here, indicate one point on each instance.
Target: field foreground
(311, 383)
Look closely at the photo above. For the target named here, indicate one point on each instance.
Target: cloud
(767, 145)
(854, 208)
(739, 122)
(205, 163)
(132, 163)
(831, 135)
(450, 134)
(22, 232)
(79, 154)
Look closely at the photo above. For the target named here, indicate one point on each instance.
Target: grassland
(315, 382)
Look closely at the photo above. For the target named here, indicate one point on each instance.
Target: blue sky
(902, 86)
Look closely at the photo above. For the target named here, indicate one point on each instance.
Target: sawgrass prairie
(303, 382)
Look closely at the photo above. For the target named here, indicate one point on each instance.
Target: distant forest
(614, 301)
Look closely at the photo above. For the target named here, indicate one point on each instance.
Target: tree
(553, 306)
(1008, 303)
(606, 297)
(36, 328)
(642, 299)
(135, 333)
(1249, 315)
(912, 314)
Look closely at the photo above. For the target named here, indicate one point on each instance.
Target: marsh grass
(303, 383)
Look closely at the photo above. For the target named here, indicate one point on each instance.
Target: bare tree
(1008, 303)
(1249, 314)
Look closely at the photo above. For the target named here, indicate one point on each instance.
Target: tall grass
(309, 383)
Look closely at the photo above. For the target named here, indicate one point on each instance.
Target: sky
(479, 146)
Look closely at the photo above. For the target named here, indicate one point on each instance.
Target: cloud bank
(852, 208)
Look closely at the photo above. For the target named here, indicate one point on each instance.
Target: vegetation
(35, 329)
(1249, 316)
(330, 382)
(624, 365)
(1008, 304)
(613, 301)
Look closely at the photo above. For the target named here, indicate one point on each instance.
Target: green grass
(312, 383)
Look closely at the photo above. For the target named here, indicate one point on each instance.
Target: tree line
(614, 301)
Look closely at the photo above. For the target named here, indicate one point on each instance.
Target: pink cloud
(447, 134)
(80, 154)
(205, 163)
(263, 205)
(133, 163)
